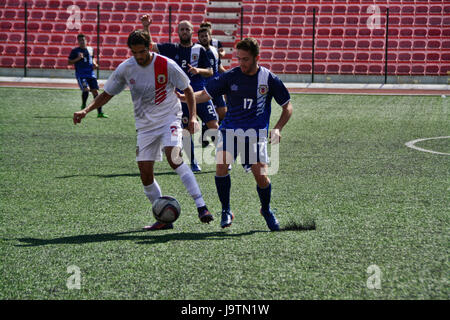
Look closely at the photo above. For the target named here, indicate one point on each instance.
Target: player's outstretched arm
(146, 22)
(200, 97)
(204, 72)
(275, 133)
(100, 101)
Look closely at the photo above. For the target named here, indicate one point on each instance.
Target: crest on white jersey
(161, 78)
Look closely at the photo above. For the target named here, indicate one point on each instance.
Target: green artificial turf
(348, 191)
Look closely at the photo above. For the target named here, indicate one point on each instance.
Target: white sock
(190, 183)
(153, 191)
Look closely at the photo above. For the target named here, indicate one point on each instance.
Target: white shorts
(150, 144)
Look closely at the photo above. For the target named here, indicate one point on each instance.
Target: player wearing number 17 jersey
(152, 80)
(249, 89)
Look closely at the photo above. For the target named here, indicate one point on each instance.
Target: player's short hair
(206, 24)
(187, 22)
(79, 36)
(138, 37)
(250, 45)
(201, 30)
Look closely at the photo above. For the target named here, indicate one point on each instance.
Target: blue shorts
(85, 82)
(251, 149)
(205, 111)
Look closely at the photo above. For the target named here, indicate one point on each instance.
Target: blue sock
(223, 185)
(264, 197)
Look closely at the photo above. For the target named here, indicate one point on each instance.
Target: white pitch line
(411, 144)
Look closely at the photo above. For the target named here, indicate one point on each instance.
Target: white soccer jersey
(152, 90)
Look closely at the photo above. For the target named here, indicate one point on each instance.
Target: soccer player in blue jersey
(204, 38)
(249, 89)
(83, 59)
(214, 42)
(193, 60)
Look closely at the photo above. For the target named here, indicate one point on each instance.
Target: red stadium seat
(106, 5)
(133, 6)
(332, 68)
(56, 38)
(304, 68)
(277, 67)
(53, 51)
(281, 44)
(122, 53)
(107, 52)
(34, 62)
(49, 63)
(291, 68)
(294, 44)
(269, 20)
(376, 69)
(53, 4)
(347, 69)
(334, 56)
(266, 55)
(146, 7)
(61, 63)
(267, 43)
(279, 55)
(11, 49)
(113, 28)
(293, 55)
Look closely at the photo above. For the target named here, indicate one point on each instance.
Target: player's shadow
(53, 117)
(115, 175)
(144, 237)
(119, 175)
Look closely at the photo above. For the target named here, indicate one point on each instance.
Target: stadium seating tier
(349, 34)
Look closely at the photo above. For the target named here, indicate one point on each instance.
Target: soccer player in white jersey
(152, 80)
(249, 89)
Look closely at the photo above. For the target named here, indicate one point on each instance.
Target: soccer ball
(166, 209)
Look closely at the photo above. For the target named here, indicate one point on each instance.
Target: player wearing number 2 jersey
(249, 89)
(193, 60)
(152, 80)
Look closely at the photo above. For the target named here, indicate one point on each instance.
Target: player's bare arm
(222, 69)
(100, 101)
(80, 57)
(146, 23)
(204, 72)
(222, 53)
(190, 100)
(200, 97)
(275, 133)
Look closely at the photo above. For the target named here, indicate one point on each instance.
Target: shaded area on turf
(122, 236)
(125, 175)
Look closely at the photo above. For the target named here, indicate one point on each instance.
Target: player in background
(204, 38)
(152, 80)
(249, 89)
(193, 60)
(83, 59)
(214, 42)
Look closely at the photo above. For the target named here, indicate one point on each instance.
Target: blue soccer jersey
(214, 60)
(85, 67)
(194, 56)
(248, 97)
